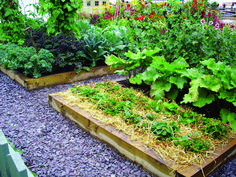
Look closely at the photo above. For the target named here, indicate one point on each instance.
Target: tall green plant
(12, 22)
(62, 15)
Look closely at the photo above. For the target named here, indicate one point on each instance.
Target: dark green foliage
(93, 49)
(64, 48)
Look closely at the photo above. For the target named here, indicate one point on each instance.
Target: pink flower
(203, 21)
(225, 124)
(215, 119)
(210, 22)
(232, 26)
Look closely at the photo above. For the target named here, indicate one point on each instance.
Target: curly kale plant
(26, 59)
(64, 48)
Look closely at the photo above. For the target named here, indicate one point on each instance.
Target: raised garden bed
(56, 79)
(138, 151)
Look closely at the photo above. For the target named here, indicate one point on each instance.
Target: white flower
(203, 21)
(210, 22)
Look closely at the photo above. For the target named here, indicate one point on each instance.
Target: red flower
(165, 3)
(143, 5)
(128, 5)
(209, 14)
(139, 18)
(193, 7)
(11, 2)
(169, 145)
(203, 14)
(217, 5)
(205, 9)
(157, 143)
(139, 132)
(127, 123)
(186, 5)
(184, 18)
(201, 4)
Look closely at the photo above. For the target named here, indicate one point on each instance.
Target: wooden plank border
(56, 79)
(136, 151)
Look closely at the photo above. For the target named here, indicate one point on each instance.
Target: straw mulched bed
(167, 150)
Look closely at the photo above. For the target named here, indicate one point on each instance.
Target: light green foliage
(134, 65)
(165, 77)
(62, 15)
(12, 22)
(25, 58)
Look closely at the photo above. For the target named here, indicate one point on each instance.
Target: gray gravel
(54, 146)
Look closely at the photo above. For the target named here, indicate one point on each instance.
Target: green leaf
(8, 12)
(178, 81)
(172, 94)
(210, 82)
(228, 116)
(158, 88)
(121, 72)
(204, 98)
(193, 90)
(136, 80)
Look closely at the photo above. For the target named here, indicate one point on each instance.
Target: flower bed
(182, 141)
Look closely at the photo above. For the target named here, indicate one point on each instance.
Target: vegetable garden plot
(137, 137)
(56, 79)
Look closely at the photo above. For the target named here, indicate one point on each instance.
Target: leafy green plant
(93, 49)
(164, 130)
(26, 59)
(163, 77)
(62, 15)
(12, 22)
(135, 64)
(214, 128)
(194, 143)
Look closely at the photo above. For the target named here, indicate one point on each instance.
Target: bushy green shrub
(26, 59)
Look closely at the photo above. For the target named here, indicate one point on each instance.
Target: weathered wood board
(56, 79)
(136, 151)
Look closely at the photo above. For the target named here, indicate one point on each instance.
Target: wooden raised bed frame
(56, 79)
(136, 151)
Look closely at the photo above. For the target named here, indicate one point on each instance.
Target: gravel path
(54, 146)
